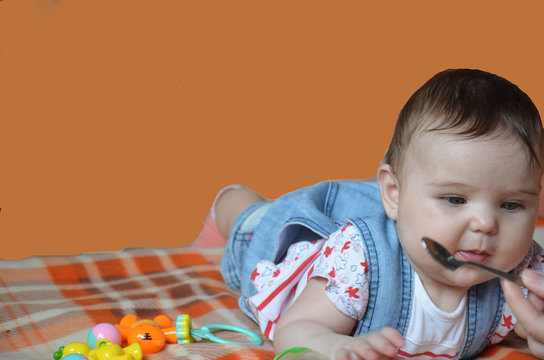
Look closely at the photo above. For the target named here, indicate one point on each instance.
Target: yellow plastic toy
(73, 348)
(104, 350)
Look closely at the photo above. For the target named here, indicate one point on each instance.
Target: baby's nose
(484, 221)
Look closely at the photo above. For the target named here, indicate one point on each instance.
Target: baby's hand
(371, 346)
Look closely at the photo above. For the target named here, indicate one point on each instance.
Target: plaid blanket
(47, 302)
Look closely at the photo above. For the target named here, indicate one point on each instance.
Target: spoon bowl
(442, 256)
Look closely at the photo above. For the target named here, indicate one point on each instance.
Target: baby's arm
(314, 322)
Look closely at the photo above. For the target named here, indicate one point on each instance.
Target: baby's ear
(389, 188)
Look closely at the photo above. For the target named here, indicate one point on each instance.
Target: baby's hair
(469, 103)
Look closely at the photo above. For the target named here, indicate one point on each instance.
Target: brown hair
(472, 103)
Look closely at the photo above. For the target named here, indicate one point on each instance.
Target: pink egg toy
(104, 331)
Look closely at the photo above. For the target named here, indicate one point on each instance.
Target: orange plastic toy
(148, 333)
(153, 334)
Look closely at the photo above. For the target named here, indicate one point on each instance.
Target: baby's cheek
(512, 256)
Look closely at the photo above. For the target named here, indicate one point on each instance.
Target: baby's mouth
(473, 255)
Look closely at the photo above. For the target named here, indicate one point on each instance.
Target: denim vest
(316, 212)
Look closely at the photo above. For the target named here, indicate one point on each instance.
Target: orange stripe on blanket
(86, 295)
(518, 355)
(210, 274)
(189, 259)
(81, 296)
(68, 274)
(501, 352)
(148, 264)
(200, 308)
(111, 268)
(196, 309)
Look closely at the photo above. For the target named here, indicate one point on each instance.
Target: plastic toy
(104, 331)
(75, 356)
(104, 350)
(299, 353)
(152, 335)
(185, 333)
(148, 333)
(72, 348)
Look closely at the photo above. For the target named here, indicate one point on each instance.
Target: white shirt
(433, 332)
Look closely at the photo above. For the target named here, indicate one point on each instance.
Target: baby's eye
(455, 200)
(511, 206)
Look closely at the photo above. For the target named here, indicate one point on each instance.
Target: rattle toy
(104, 331)
(104, 350)
(153, 334)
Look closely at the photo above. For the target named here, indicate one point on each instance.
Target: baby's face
(478, 198)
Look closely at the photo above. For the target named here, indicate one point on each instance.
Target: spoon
(441, 255)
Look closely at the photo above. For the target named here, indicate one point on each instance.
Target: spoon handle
(508, 276)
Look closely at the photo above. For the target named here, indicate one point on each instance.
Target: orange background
(120, 120)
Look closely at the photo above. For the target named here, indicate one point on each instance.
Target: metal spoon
(440, 254)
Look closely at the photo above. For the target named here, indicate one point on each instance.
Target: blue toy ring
(205, 333)
(186, 333)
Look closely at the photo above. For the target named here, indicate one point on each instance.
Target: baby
(339, 267)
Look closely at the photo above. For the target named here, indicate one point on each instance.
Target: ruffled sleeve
(279, 285)
(343, 263)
